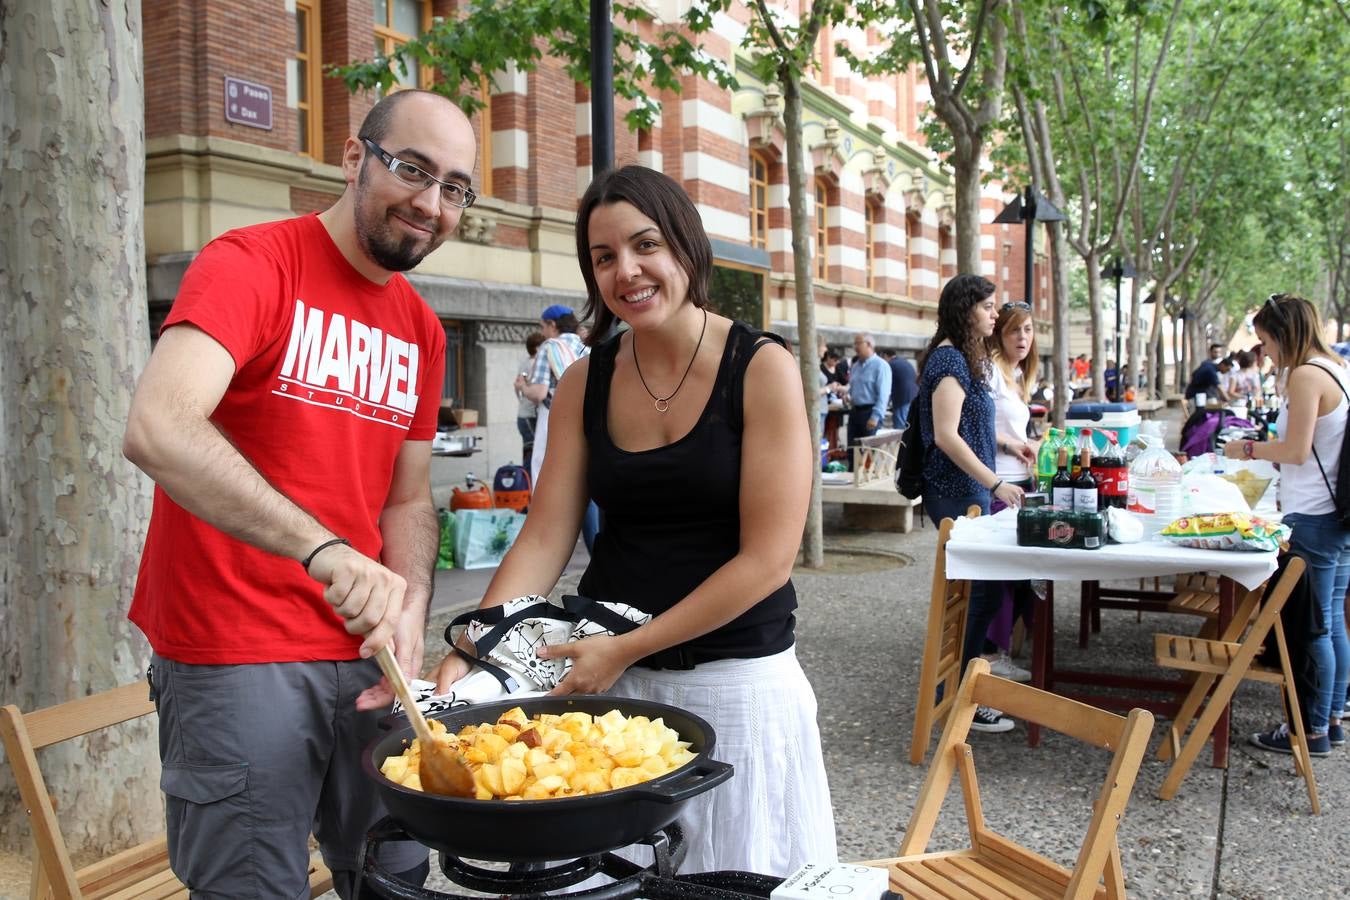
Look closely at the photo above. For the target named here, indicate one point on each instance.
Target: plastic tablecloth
(986, 549)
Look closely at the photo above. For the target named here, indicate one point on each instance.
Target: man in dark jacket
(904, 387)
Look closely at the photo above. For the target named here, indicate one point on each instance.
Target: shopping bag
(482, 536)
(506, 641)
(445, 556)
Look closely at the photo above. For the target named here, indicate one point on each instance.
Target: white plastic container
(1155, 486)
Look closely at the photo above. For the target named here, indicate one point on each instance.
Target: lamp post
(1118, 269)
(1034, 208)
(602, 87)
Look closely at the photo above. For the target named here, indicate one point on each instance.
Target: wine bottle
(1061, 490)
(1084, 488)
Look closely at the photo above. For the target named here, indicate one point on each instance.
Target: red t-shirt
(332, 374)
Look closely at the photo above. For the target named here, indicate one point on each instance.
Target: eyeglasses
(1020, 304)
(414, 177)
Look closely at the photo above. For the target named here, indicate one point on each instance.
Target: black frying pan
(554, 829)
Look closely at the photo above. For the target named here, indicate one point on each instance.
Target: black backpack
(909, 466)
(1340, 494)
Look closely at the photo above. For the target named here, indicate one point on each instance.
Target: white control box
(819, 881)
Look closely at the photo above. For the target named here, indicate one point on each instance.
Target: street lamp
(1031, 210)
(1119, 268)
(602, 87)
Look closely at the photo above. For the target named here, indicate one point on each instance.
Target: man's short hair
(1214, 345)
(377, 122)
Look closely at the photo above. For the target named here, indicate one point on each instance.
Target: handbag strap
(586, 608)
(1316, 456)
(496, 671)
(501, 623)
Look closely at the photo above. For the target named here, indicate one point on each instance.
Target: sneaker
(1003, 666)
(1277, 740)
(1336, 734)
(990, 721)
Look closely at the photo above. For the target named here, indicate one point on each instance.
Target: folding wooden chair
(1229, 660)
(995, 866)
(141, 872)
(948, 603)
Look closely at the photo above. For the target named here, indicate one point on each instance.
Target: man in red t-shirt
(286, 416)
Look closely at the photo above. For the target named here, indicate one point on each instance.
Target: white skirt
(774, 813)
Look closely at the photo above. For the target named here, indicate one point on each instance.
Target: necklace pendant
(662, 405)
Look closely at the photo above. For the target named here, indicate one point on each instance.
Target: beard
(391, 251)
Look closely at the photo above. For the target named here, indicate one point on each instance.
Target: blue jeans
(1325, 546)
(986, 597)
(526, 428)
(900, 415)
(590, 525)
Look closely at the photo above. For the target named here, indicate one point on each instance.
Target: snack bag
(1226, 531)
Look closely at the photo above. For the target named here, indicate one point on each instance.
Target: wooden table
(986, 549)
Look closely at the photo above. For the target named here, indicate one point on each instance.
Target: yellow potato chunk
(551, 755)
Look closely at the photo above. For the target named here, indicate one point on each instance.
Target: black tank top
(672, 514)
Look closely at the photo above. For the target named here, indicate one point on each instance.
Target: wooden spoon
(440, 769)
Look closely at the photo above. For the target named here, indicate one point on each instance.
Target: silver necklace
(663, 403)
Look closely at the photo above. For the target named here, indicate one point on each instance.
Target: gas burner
(525, 881)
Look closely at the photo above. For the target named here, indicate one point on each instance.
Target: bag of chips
(1226, 531)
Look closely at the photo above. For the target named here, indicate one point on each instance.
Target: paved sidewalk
(1244, 833)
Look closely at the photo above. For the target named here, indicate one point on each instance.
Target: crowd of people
(1230, 378)
(293, 533)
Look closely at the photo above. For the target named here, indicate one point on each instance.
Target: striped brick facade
(862, 141)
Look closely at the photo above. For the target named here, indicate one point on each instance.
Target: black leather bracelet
(324, 546)
(996, 486)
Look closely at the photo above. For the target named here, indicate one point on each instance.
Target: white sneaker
(990, 721)
(1003, 666)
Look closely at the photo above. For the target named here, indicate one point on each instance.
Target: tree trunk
(1134, 340)
(1059, 273)
(813, 541)
(1093, 262)
(73, 335)
(966, 162)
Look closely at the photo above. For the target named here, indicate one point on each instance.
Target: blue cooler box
(1121, 418)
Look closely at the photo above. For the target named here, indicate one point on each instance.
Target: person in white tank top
(1012, 348)
(1315, 385)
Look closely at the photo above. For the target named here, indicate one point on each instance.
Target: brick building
(881, 201)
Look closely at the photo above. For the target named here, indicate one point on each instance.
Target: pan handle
(700, 775)
(392, 721)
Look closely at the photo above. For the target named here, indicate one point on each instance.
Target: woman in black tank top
(689, 431)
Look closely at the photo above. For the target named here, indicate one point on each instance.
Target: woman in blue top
(956, 419)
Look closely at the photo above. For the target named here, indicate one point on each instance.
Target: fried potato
(551, 755)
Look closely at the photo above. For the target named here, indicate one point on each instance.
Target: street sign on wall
(248, 103)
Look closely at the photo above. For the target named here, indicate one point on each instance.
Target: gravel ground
(1245, 833)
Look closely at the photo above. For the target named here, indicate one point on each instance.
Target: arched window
(308, 80)
(759, 201)
(822, 230)
(947, 253)
(911, 238)
(871, 215)
(396, 23)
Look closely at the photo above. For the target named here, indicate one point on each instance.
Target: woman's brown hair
(661, 199)
(1295, 327)
(961, 295)
(1012, 315)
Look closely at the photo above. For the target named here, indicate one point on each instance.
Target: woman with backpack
(1314, 383)
(956, 422)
